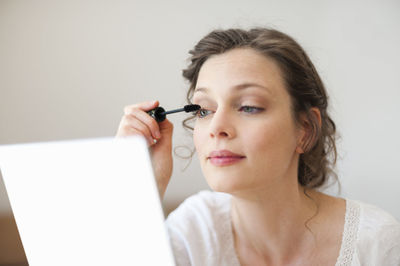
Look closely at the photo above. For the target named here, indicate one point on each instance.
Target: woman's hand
(136, 121)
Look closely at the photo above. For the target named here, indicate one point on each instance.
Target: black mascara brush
(159, 113)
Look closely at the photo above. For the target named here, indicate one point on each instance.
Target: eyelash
(255, 109)
(199, 115)
(242, 108)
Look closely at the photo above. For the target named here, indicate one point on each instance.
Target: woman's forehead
(241, 87)
(239, 69)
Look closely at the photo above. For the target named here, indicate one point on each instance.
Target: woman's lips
(224, 158)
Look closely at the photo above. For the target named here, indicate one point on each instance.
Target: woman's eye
(201, 113)
(250, 109)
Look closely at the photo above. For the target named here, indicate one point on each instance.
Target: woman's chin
(226, 184)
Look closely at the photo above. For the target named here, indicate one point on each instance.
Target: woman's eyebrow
(238, 87)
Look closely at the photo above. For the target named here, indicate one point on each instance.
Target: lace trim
(350, 233)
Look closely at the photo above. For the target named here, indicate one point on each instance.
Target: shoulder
(205, 207)
(376, 222)
(199, 228)
(378, 237)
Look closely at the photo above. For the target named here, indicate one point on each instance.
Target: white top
(201, 233)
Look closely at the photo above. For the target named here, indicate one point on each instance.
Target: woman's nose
(221, 125)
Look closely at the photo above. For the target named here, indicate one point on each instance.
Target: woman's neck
(270, 222)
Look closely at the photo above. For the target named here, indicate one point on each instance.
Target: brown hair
(302, 83)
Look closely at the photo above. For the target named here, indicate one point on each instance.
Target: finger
(144, 106)
(136, 132)
(131, 123)
(166, 129)
(165, 126)
(150, 122)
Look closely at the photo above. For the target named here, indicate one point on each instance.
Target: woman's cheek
(197, 139)
(259, 135)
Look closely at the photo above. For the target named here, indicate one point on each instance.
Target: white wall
(67, 69)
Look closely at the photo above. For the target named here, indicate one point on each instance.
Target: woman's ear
(310, 130)
(317, 114)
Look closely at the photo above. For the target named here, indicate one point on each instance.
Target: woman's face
(245, 135)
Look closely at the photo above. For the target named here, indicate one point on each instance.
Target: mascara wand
(159, 113)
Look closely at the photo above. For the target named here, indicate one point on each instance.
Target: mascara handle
(158, 114)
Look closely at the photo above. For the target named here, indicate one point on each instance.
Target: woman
(265, 142)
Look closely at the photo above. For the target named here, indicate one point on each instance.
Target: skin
(269, 207)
